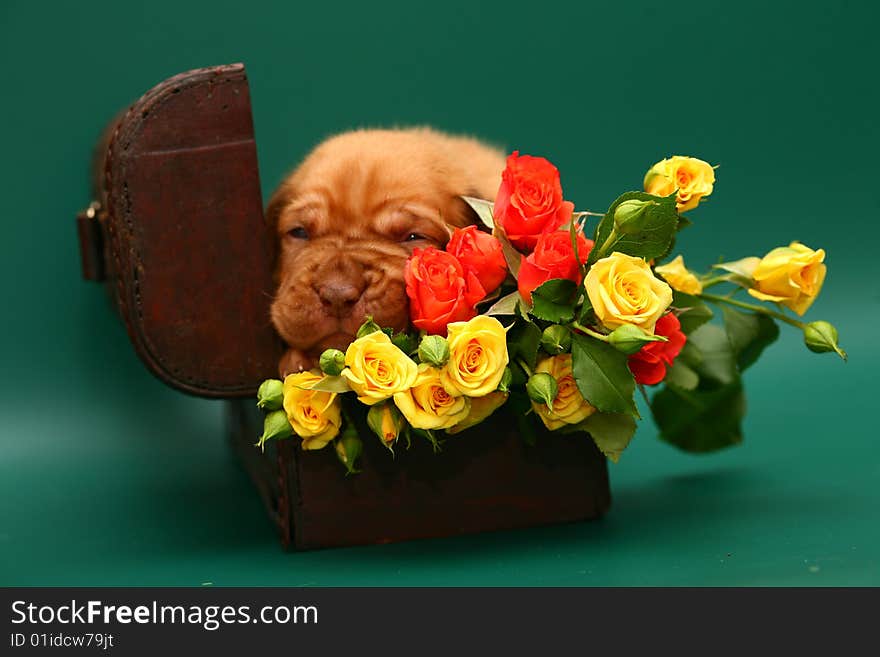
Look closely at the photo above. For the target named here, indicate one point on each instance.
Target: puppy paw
(294, 361)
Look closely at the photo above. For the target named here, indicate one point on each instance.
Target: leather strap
(91, 243)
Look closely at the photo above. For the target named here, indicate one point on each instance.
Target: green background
(109, 477)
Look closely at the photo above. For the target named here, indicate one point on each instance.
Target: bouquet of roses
(527, 312)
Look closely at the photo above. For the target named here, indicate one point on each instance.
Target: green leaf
(652, 241)
(611, 432)
(585, 313)
(692, 312)
(681, 375)
(512, 257)
(700, 420)
(743, 268)
(553, 301)
(684, 222)
(484, 209)
(405, 342)
(337, 384)
(518, 377)
(489, 300)
(506, 305)
(709, 354)
(740, 271)
(749, 334)
(523, 341)
(602, 375)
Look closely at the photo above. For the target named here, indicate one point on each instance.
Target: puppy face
(346, 221)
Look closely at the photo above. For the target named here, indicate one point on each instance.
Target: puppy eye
(299, 233)
(414, 237)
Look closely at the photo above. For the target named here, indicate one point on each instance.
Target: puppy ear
(464, 214)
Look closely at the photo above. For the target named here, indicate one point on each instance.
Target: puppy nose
(338, 296)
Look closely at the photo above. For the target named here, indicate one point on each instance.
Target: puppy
(349, 216)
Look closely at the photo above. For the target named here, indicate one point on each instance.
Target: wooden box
(177, 234)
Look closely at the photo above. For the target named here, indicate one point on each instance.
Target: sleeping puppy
(349, 216)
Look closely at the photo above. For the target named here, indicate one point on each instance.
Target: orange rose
(553, 257)
(529, 201)
(480, 253)
(440, 291)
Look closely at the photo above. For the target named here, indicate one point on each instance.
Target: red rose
(553, 257)
(440, 290)
(480, 253)
(649, 364)
(529, 201)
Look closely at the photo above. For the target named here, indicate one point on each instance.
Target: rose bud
(348, 449)
(434, 349)
(821, 337)
(332, 362)
(276, 426)
(630, 216)
(630, 339)
(369, 326)
(542, 388)
(556, 339)
(270, 395)
(386, 422)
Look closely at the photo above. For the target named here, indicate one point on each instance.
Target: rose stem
(753, 308)
(709, 282)
(589, 331)
(609, 241)
(524, 366)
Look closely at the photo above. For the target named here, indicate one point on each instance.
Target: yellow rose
(427, 405)
(569, 406)
(791, 275)
(376, 368)
(623, 290)
(692, 178)
(315, 416)
(477, 357)
(481, 408)
(677, 275)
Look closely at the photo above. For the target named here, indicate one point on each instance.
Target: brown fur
(349, 216)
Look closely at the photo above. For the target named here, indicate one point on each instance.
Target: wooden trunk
(484, 479)
(177, 233)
